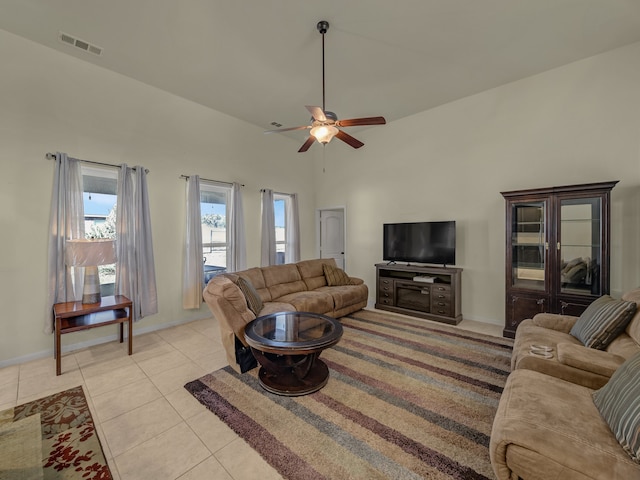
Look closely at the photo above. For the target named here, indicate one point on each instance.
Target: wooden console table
(75, 316)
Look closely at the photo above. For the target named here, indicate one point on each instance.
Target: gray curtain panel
(268, 230)
(193, 269)
(66, 221)
(135, 272)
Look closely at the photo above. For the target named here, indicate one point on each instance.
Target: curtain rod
(277, 193)
(52, 156)
(186, 177)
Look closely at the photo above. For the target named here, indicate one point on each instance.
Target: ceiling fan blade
(355, 122)
(317, 113)
(305, 146)
(278, 130)
(346, 138)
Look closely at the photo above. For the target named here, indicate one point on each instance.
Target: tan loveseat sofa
(298, 286)
(546, 428)
(547, 425)
(571, 360)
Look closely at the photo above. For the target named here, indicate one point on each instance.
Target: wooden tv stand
(397, 291)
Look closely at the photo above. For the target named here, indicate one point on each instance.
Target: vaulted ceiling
(260, 60)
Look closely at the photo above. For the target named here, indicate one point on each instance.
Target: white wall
(576, 124)
(52, 102)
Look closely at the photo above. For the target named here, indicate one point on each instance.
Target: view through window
(99, 187)
(280, 208)
(214, 211)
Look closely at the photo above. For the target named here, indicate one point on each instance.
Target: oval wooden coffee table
(287, 346)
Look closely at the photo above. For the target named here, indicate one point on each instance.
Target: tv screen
(421, 242)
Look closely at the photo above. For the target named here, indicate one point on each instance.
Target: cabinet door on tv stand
(520, 307)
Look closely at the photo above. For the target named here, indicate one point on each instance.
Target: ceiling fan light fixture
(324, 133)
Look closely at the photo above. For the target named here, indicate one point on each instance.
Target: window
(100, 186)
(285, 209)
(280, 202)
(214, 210)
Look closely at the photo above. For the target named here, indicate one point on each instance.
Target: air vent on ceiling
(276, 124)
(78, 43)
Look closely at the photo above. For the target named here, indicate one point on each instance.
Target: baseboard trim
(93, 342)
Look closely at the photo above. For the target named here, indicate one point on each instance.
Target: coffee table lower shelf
(291, 375)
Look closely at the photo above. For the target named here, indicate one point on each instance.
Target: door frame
(343, 209)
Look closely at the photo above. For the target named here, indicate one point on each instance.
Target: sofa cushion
(254, 302)
(275, 307)
(335, 276)
(347, 295)
(633, 329)
(282, 280)
(312, 271)
(624, 346)
(255, 277)
(589, 359)
(314, 301)
(554, 321)
(603, 321)
(529, 333)
(619, 404)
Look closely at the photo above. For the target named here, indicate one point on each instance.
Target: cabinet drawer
(440, 307)
(385, 294)
(440, 296)
(441, 288)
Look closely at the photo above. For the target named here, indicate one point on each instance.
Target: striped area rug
(406, 399)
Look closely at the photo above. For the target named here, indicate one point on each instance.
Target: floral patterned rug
(51, 438)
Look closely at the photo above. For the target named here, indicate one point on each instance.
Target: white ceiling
(261, 60)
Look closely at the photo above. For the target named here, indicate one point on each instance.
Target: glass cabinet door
(528, 245)
(579, 245)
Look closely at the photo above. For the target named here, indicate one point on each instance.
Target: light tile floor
(149, 425)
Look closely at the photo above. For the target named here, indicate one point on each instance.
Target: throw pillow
(254, 302)
(603, 321)
(335, 276)
(619, 405)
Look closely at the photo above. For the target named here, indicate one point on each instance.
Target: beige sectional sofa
(298, 286)
(547, 425)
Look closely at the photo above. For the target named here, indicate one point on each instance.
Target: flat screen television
(421, 242)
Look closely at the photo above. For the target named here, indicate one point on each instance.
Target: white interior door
(332, 235)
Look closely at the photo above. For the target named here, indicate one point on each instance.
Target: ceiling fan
(324, 124)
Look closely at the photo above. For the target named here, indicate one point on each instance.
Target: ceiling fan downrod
(322, 27)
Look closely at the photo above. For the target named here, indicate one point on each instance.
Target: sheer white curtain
(66, 221)
(292, 231)
(268, 230)
(193, 271)
(237, 248)
(135, 272)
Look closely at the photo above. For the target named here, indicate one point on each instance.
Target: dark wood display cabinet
(437, 297)
(557, 250)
